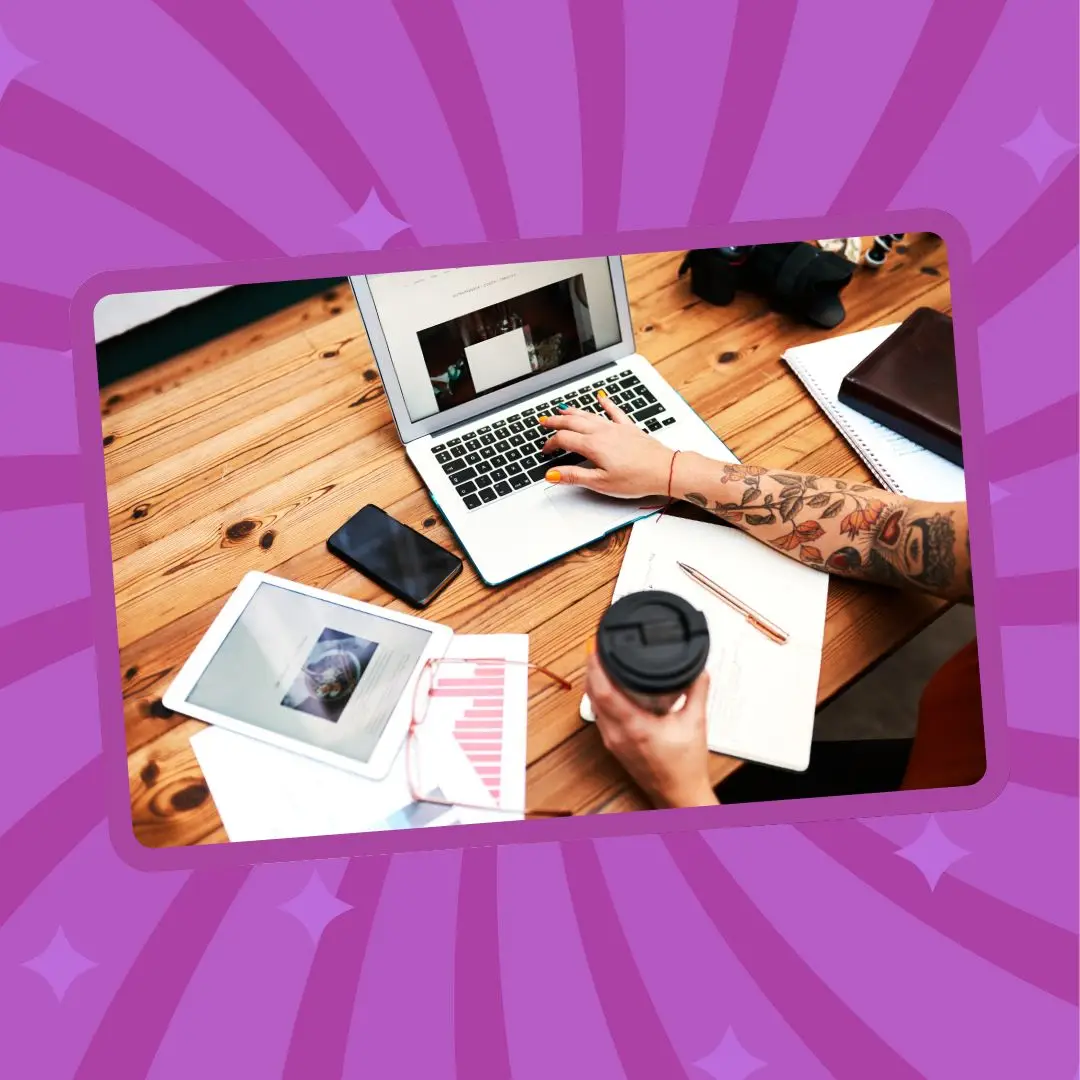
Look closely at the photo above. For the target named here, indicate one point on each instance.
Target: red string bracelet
(671, 473)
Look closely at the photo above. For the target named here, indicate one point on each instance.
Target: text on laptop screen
(455, 335)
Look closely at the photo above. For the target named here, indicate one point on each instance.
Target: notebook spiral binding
(869, 458)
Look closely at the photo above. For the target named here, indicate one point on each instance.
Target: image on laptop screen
(456, 335)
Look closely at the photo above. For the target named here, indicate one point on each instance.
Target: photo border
(103, 602)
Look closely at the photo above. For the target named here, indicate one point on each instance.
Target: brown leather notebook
(908, 383)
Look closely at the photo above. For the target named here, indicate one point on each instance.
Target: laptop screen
(455, 335)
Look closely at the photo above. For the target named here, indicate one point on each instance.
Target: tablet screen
(312, 670)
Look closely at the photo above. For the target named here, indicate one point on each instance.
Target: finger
(574, 475)
(616, 706)
(611, 409)
(571, 420)
(698, 694)
(573, 441)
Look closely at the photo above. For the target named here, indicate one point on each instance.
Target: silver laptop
(471, 357)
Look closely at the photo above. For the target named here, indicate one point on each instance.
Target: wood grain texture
(246, 454)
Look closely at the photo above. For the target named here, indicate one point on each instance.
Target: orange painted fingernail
(601, 393)
(552, 476)
(541, 419)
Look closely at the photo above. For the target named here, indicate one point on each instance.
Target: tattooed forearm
(845, 528)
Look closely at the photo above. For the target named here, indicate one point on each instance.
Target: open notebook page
(763, 695)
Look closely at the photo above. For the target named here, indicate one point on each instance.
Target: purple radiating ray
(544, 971)
(1049, 703)
(441, 213)
(1028, 496)
(1043, 438)
(135, 1022)
(1014, 263)
(250, 52)
(35, 577)
(32, 715)
(643, 1045)
(435, 32)
(759, 43)
(34, 124)
(321, 1029)
(698, 986)
(480, 1047)
(529, 113)
(660, 173)
(1038, 599)
(946, 53)
(1044, 762)
(839, 1038)
(31, 317)
(40, 480)
(37, 406)
(810, 83)
(1033, 324)
(600, 67)
(406, 1010)
(34, 643)
(849, 934)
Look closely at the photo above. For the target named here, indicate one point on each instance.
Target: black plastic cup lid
(653, 642)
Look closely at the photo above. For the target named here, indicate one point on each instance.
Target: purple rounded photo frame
(911, 934)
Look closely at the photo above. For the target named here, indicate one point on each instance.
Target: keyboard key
(623, 374)
(487, 439)
(520, 481)
(653, 424)
(646, 395)
(481, 430)
(473, 458)
(488, 494)
(498, 429)
(443, 456)
(516, 416)
(668, 420)
(517, 428)
(467, 436)
(436, 449)
(597, 385)
(465, 474)
(638, 403)
(517, 440)
(487, 452)
(498, 461)
(513, 454)
(497, 475)
(502, 446)
(453, 465)
(472, 444)
(484, 480)
(472, 501)
(528, 412)
(458, 451)
(512, 468)
(452, 442)
(627, 383)
(467, 488)
(502, 488)
(484, 467)
(647, 413)
(610, 379)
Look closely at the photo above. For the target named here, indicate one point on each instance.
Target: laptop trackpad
(588, 511)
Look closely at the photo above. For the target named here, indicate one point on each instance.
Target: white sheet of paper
(896, 461)
(763, 695)
(265, 793)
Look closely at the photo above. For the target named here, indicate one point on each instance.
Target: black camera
(799, 279)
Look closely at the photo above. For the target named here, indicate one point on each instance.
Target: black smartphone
(401, 560)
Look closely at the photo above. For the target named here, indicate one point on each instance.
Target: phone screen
(399, 558)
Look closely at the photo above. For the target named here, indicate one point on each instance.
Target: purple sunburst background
(137, 134)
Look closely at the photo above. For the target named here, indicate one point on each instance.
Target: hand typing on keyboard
(628, 463)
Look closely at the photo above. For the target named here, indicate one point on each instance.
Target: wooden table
(248, 452)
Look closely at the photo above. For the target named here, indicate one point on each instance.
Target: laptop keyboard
(495, 460)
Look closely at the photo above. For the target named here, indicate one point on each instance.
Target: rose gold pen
(758, 622)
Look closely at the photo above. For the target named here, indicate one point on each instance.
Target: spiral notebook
(898, 464)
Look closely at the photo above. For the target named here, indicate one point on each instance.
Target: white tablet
(320, 674)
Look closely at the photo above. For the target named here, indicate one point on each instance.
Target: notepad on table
(899, 464)
(763, 695)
